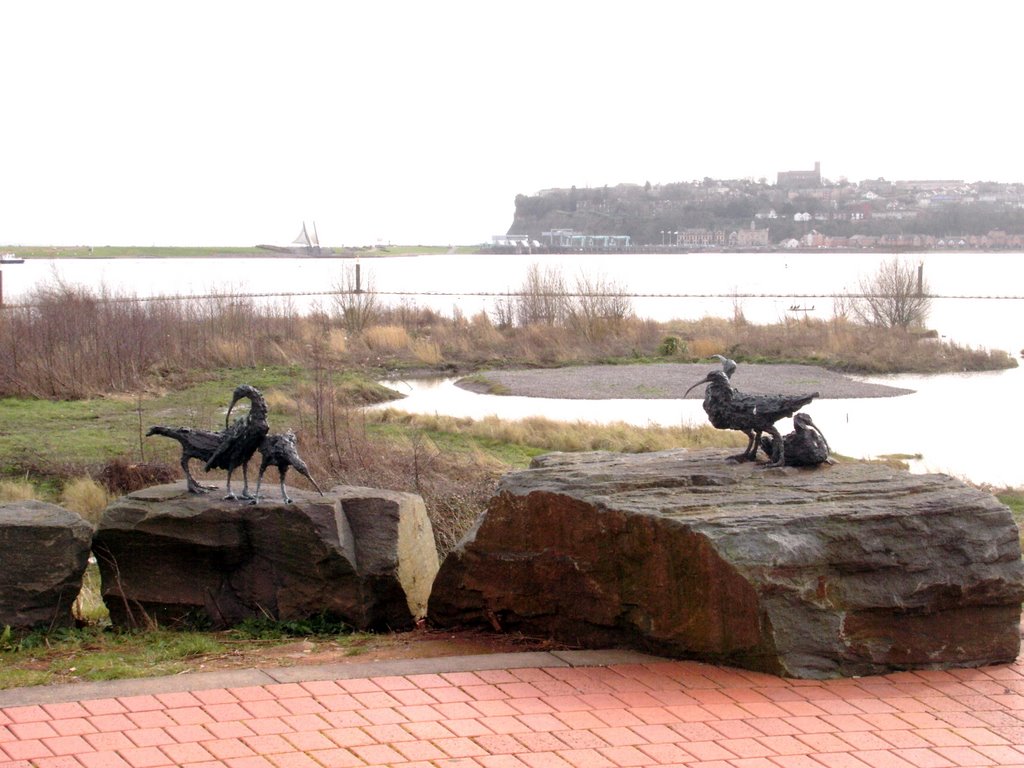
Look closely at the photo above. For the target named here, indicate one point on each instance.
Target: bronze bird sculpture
(805, 446)
(241, 439)
(195, 444)
(728, 408)
(280, 451)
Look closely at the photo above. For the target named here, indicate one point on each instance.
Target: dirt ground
(420, 643)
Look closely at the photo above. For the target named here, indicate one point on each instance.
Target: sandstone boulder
(169, 556)
(844, 570)
(44, 550)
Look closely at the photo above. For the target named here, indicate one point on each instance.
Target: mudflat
(671, 380)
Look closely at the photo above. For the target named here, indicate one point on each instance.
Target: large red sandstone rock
(844, 570)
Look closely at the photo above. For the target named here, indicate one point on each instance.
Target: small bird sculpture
(805, 446)
(280, 451)
(241, 439)
(195, 444)
(728, 366)
(728, 408)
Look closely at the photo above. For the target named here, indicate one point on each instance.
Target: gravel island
(670, 381)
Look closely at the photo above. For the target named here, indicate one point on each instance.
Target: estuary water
(764, 286)
(966, 425)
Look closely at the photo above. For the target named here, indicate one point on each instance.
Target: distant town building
(569, 238)
(749, 238)
(800, 179)
(701, 238)
(515, 241)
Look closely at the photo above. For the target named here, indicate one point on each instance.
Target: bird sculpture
(280, 451)
(728, 408)
(195, 444)
(241, 439)
(805, 446)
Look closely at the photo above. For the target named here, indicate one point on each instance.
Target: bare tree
(543, 298)
(356, 305)
(599, 307)
(896, 296)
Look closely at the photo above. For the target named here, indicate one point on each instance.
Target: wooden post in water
(359, 287)
(920, 278)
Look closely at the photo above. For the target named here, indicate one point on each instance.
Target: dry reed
(17, 490)
(86, 497)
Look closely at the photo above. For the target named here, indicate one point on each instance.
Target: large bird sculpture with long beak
(280, 451)
(241, 439)
(728, 408)
(805, 446)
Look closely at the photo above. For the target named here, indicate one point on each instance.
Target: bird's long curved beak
(227, 418)
(702, 381)
(310, 478)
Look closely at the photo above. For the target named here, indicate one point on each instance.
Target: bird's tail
(172, 432)
(806, 400)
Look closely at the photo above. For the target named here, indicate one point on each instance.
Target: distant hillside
(657, 214)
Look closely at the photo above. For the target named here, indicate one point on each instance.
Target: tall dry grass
(86, 497)
(17, 490)
(68, 342)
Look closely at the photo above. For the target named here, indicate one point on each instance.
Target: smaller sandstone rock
(44, 550)
(395, 553)
(172, 557)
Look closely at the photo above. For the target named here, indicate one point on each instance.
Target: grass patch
(97, 654)
(1014, 499)
(93, 653)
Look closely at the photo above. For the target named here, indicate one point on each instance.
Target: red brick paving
(660, 713)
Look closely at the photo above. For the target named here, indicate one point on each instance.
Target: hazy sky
(229, 123)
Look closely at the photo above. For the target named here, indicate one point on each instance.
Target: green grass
(43, 436)
(95, 653)
(1014, 499)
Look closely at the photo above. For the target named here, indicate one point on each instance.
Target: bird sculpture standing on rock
(195, 444)
(280, 451)
(805, 446)
(242, 438)
(728, 408)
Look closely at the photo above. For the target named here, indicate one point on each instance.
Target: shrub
(17, 490)
(120, 477)
(672, 346)
(86, 497)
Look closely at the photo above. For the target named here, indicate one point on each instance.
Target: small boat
(10, 258)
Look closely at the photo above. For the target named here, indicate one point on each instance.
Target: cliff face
(845, 570)
(652, 215)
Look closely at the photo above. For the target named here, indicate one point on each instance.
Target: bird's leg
(756, 444)
(230, 496)
(284, 495)
(245, 481)
(778, 449)
(746, 455)
(193, 486)
(259, 479)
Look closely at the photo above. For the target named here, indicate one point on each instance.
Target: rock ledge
(845, 570)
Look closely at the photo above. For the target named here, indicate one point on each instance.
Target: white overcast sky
(230, 123)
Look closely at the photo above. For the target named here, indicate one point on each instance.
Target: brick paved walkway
(552, 713)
